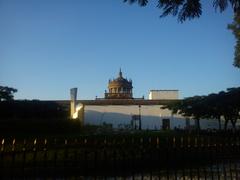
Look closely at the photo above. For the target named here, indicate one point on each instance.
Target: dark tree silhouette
(6, 93)
(235, 27)
(190, 9)
(214, 106)
(232, 106)
(189, 107)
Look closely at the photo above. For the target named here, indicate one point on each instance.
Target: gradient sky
(49, 46)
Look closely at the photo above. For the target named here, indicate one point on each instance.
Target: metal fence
(177, 157)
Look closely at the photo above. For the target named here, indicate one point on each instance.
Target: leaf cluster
(224, 103)
(188, 9)
(6, 93)
(235, 28)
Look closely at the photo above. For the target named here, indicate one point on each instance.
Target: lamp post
(140, 121)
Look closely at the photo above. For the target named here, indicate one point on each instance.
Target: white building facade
(163, 94)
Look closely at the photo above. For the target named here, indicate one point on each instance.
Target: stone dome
(119, 88)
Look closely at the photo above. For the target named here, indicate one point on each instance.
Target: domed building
(119, 88)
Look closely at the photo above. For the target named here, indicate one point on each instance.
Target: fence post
(150, 151)
(35, 155)
(216, 147)
(175, 157)
(210, 152)
(232, 157)
(55, 154)
(238, 147)
(65, 152)
(132, 158)
(237, 156)
(2, 154)
(114, 147)
(183, 155)
(197, 147)
(13, 156)
(158, 155)
(85, 160)
(236, 169)
(75, 153)
(24, 156)
(105, 155)
(190, 154)
(167, 160)
(123, 154)
(95, 159)
(45, 153)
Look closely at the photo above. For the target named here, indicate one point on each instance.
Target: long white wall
(151, 116)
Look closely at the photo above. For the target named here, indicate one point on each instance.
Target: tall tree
(190, 9)
(232, 105)
(235, 27)
(213, 106)
(189, 107)
(6, 93)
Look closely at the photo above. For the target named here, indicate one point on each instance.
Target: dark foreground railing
(152, 157)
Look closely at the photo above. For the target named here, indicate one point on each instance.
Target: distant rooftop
(164, 90)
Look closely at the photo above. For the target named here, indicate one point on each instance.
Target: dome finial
(120, 73)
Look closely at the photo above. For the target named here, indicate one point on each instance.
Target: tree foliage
(188, 9)
(6, 93)
(235, 27)
(33, 109)
(213, 106)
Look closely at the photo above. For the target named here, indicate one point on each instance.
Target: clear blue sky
(49, 46)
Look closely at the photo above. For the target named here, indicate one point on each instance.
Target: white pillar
(73, 95)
